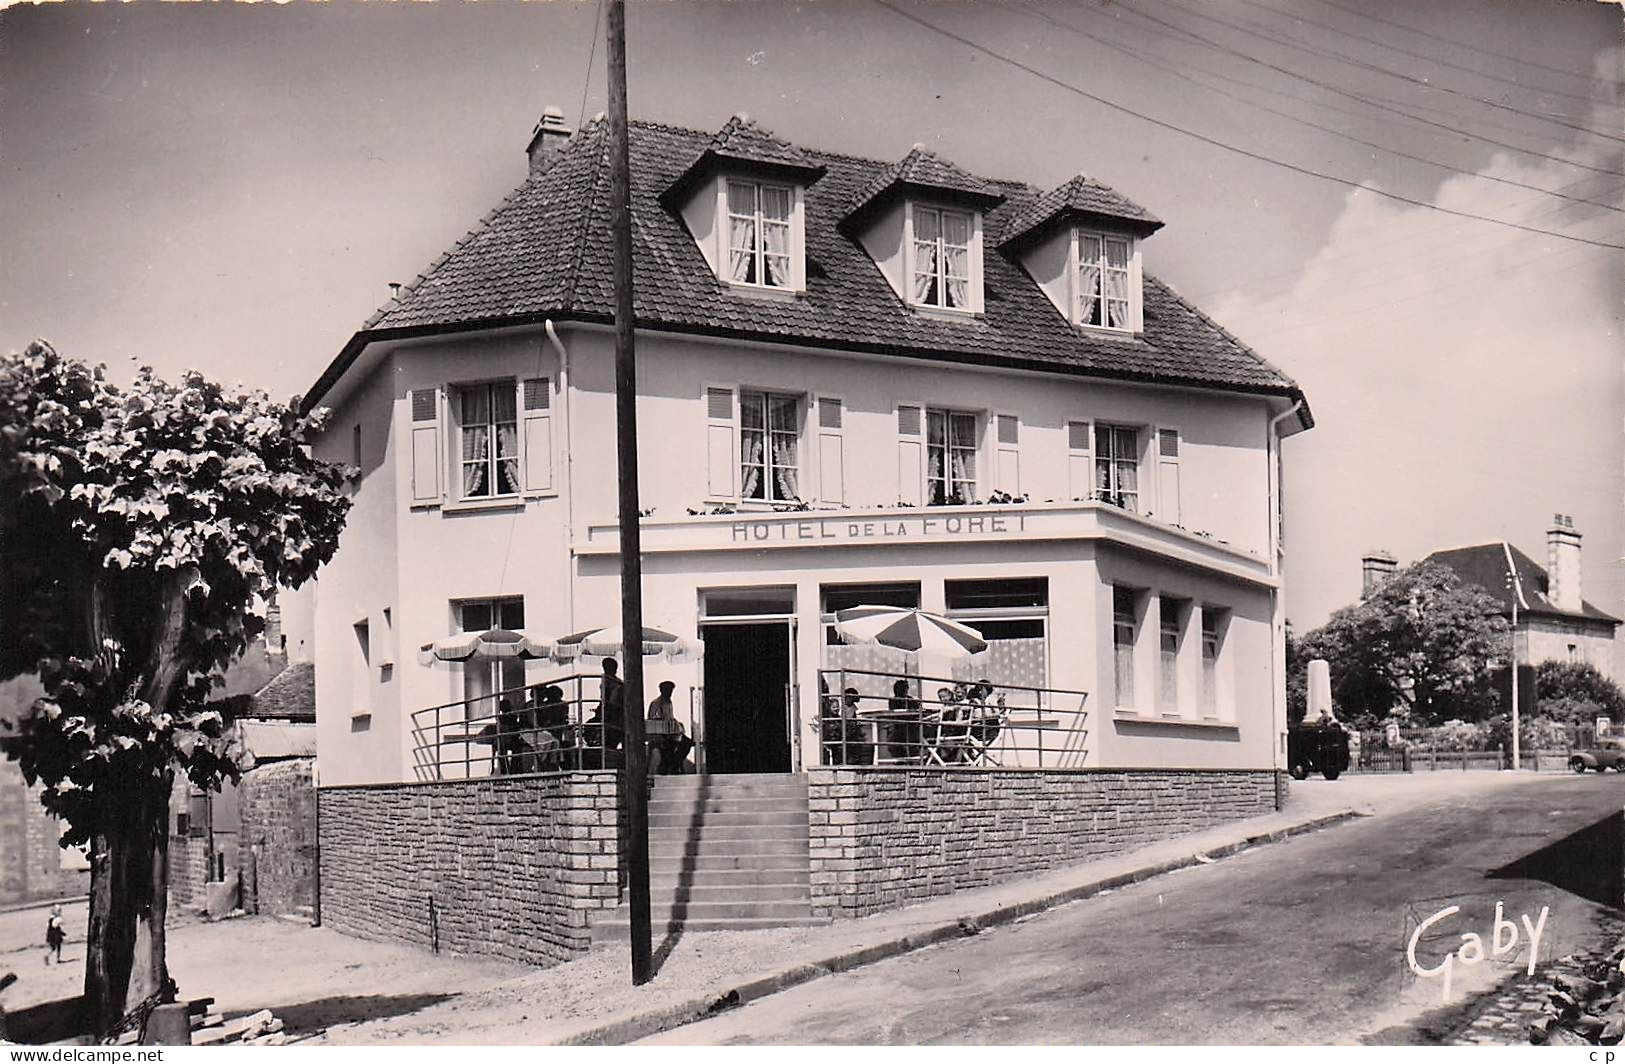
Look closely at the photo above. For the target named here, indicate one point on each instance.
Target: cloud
(1466, 378)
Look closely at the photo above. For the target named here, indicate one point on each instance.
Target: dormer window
(1106, 292)
(760, 237)
(941, 273)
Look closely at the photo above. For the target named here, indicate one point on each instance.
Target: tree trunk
(129, 870)
(124, 954)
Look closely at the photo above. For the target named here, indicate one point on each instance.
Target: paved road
(1299, 942)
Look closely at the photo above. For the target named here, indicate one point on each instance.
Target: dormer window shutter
(1168, 475)
(831, 451)
(536, 409)
(721, 430)
(426, 485)
(910, 455)
(1079, 469)
(1007, 467)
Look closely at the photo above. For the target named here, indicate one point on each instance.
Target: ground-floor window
(1212, 636)
(1013, 616)
(1124, 631)
(1171, 617)
(483, 679)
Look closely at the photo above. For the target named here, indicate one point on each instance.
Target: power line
(1244, 152)
(1251, 30)
(1372, 100)
(1463, 44)
(1176, 72)
(592, 54)
(1368, 101)
(1421, 55)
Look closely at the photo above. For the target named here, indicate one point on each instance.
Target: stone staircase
(726, 853)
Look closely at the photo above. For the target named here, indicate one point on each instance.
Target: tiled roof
(743, 139)
(743, 143)
(921, 168)
(545, 252)
(1084, 196)
(1486, 566)
(291, 695)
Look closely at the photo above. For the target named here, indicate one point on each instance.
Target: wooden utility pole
(635, 770)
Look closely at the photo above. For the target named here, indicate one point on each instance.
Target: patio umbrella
(607, 642)
(908, 629)
(482, 646)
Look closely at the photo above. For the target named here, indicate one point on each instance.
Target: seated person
(903, 734)
(509, 749)
(671, 743)
(845, 737)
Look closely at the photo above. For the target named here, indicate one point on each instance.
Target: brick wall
(516, 865)
(277, 837)
(883, 838)
(30, 859)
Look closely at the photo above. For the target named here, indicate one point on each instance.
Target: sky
(231, 187)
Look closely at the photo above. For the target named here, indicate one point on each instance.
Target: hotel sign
(846, 530)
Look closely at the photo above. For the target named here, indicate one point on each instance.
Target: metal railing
(940, 722)
(554, 725)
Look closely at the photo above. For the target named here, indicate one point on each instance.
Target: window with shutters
(950, 457)
(487, 437)
(1117, 465)
(769, 442)
(760, 234)
(1108, 295)
(831, 450)
(1168, 508)
(1007, 454)
(1079, 470)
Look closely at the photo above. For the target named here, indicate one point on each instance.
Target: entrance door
(747, 673)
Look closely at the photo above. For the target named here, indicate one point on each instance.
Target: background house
(1555, 622)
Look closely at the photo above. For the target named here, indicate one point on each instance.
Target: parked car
(1610, 753)
(1316, 747)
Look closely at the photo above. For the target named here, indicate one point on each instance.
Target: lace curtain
(751, 454)
(784, 467)
(1088, 279)
(476, 443)
(956, 258)
(776, 236)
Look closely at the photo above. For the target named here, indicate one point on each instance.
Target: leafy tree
(1422, 643)
(1575, 692)
(138, 526)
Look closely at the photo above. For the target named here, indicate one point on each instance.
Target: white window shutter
(536, 409)
(1079, 469)
(910, 455)
(425, 445)
(721, 421)
(831, 451)
(1008, 443)
(1168, 475)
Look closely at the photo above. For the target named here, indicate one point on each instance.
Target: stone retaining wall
(882, 838)
(277, 837)
(515, 866)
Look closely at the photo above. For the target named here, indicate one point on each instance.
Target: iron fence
(876, 718)
(555, 725)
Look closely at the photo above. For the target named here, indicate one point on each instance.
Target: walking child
(54, 935)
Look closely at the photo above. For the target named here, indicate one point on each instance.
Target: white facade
(417, 546)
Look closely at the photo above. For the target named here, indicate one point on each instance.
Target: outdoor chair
(947, 731)
(986, 724)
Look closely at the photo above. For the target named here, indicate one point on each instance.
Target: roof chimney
(547, 140)
(1563, 564)
(275, 641)
(1375, 567)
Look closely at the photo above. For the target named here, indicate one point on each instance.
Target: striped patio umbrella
(607, 642)
(907, 629)
(482, 646)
